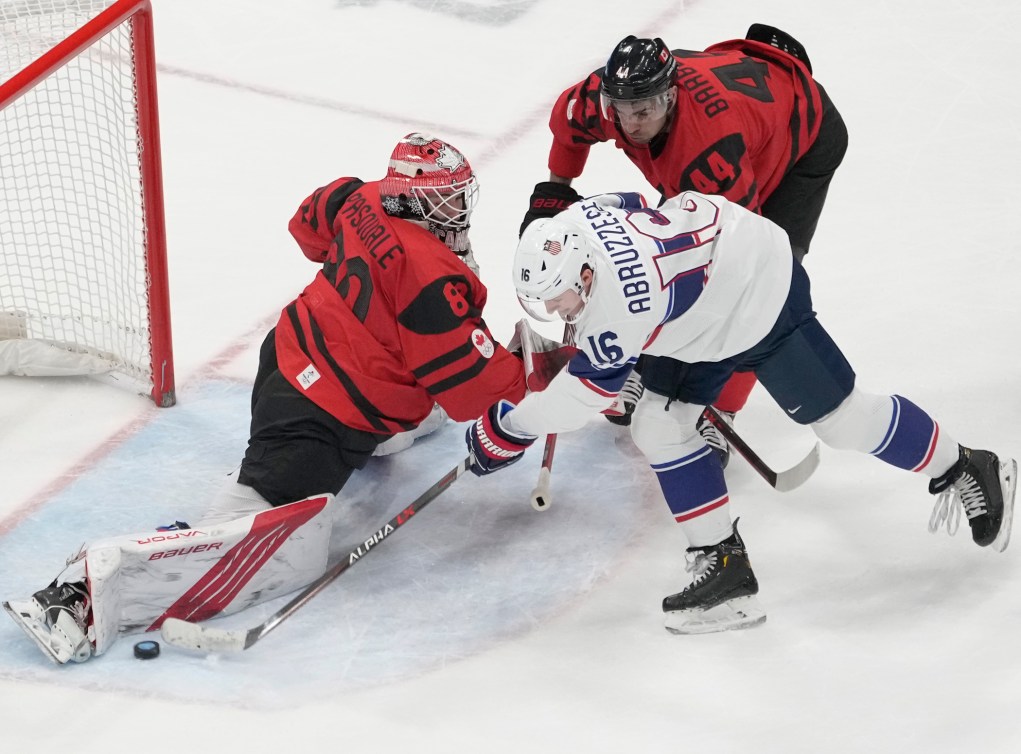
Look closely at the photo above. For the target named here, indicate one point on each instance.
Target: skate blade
(738, 613)
(1008, 484)
(22, 618)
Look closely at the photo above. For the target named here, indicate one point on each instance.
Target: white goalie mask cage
(430, 180)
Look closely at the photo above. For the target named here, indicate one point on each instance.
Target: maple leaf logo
(449, 158)
(483, 344)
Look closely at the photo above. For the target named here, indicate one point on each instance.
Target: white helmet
(549, 260)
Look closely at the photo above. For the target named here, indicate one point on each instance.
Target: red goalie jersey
(392, 322)
(735, 90)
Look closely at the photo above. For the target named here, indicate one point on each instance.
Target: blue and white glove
(491, 445)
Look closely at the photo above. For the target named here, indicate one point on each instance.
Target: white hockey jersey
(699, 279)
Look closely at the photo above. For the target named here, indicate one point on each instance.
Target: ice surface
(483, 625)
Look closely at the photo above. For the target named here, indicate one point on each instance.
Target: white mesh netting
(72, 232)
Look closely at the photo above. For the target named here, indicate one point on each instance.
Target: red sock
(735, 393)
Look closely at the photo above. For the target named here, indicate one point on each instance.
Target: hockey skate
(712, 435)
(721, 596)
(627, 400)
(56, 619)
(983, 487)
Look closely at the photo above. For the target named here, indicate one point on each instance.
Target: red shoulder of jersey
(577, 123)
(392, 323)
(802, 81)
(313, 225)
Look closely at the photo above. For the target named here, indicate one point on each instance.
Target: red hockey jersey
(392, 322)
(746, 112)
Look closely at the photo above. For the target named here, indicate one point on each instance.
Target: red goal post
(83, 268)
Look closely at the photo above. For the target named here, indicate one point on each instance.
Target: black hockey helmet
(638, 69)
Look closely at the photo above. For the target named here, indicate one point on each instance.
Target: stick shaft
(193, 636)
(783, 481)
(541, 493)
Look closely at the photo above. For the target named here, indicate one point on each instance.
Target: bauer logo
(308, 377)
(483, 344)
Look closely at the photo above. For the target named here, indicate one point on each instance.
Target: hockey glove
(491, 445)
(548, 199)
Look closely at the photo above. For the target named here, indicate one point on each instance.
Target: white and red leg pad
(137, 582)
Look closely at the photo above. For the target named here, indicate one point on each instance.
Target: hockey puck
(147, 650)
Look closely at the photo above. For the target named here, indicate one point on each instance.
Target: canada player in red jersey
(393, 322)
(744, 119)
(390, 327)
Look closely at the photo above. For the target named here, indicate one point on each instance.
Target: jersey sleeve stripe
(337, 198)
(445, 360)
(455, 380)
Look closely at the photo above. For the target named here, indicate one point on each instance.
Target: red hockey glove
(548, 199)
(491, 445)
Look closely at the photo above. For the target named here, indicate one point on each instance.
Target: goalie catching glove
(491, 445)
(548, 199)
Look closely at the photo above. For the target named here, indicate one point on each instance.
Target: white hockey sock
(232, 501)
(710, 528)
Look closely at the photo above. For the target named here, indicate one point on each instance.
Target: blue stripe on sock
(910, 437)
(692, 482)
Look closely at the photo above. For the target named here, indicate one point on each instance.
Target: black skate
(57, 618)
(721, 596)
(712, 435)
(176, 526)
(630, 394)
(984, 487)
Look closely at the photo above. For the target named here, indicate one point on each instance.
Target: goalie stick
(782, 481)
(182, 633)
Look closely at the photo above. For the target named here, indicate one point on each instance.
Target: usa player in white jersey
(703, 288)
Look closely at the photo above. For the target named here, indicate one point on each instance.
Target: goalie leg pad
(139, 581)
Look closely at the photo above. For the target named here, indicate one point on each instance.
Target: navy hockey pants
(797, 362)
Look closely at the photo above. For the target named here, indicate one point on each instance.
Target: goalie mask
(430, 182)
(548, 265)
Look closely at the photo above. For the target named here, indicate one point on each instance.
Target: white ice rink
(483, 626)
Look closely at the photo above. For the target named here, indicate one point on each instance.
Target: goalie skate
(55, 619)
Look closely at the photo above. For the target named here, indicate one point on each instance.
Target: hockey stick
(782, 481)
(541, 493)
(188, 635)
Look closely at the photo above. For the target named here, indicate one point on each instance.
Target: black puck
(147, 650)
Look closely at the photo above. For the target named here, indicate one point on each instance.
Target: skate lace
(80, 612)
(79, 609)
(712, 436)
(964, 494)
(633, 388)
(700, 564)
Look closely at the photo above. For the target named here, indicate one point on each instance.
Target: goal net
(83, 282)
